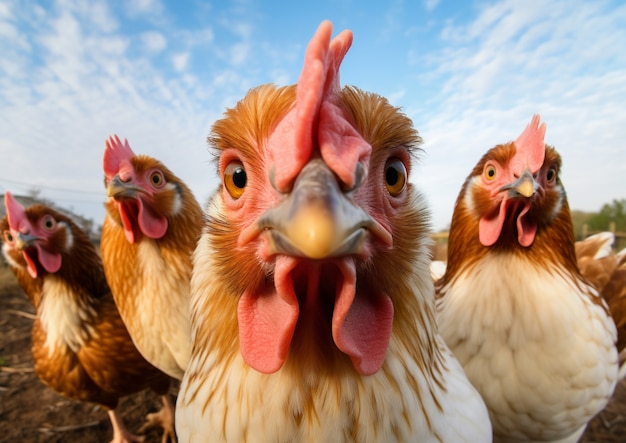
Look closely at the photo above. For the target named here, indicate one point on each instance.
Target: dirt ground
(31, 412)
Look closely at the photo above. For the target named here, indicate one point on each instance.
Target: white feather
(541, 353)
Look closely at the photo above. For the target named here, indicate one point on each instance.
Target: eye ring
(490, 172)
(395, 176)
(157, 179)
(48, 223)
(235, 179)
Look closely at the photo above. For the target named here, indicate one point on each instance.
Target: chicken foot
(164, 418)
(120, 433)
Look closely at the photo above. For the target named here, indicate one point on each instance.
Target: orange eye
(235, 179)
(490, 172)
(395, 176)
(157, 179)
(49, 223)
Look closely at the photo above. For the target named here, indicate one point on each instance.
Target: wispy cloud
(153, 41)
(159, 73)
(147, 7)
(515, 59)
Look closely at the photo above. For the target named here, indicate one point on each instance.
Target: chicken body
(150, 231)
(312, 306)
(80, 346)
(606, 270)
(533, 335)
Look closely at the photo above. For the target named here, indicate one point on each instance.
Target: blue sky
(469, 73)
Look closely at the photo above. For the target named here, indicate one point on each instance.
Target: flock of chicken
(299, 305)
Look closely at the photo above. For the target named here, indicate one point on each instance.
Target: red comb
(530, 146)
(15, 212)
(115, 153)
(317, 116)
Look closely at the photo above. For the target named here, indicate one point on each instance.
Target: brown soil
(31, 412)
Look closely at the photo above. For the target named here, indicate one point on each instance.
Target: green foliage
(580, 219)
(614, 212)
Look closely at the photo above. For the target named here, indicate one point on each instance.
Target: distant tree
(580, 219)
(614, 212)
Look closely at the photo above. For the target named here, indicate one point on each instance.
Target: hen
(312, 308)
(80, 346)
(607, 271)
(151, 228)
(533, 335)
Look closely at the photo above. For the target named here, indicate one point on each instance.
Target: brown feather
(107, 366)
(130, 277)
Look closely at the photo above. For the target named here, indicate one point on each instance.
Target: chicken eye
(8, 237)
(157, 179)
(235, 179)
(551, 175)
(395, 176)
(48, 222)
(490, 172)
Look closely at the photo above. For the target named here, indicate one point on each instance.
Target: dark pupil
(550, 174)
(240, 178)
(156, 179)
(392, 176)
(9, 237)
(491, 172)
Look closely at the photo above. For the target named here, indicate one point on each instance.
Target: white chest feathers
(64, 316)
(537, 345)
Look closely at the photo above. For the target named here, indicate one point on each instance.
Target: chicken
(607, 271)
(80, 346)
(152, 225)
(533, 335)
(312, 307)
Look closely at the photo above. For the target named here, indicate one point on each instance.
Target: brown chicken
(312, 305)
(80, 346)
(151, 228)
(607, 271)
(533, 335)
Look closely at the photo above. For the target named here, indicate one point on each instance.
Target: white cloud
(153, 41)
(99, 16)
(180, 61)
(511, 61)
(239, 53)
(76, 71)
(149, 7)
